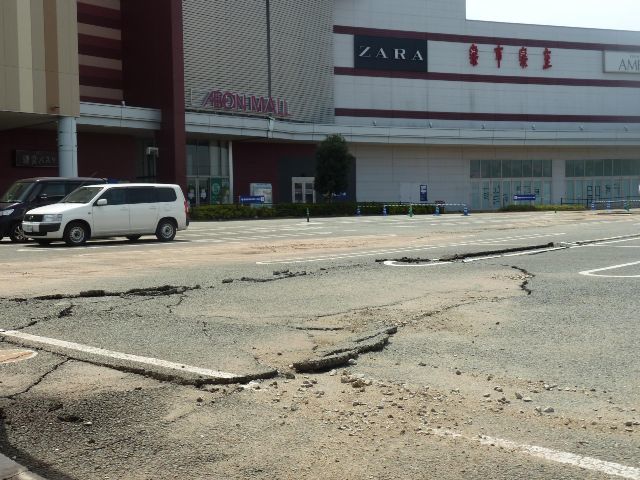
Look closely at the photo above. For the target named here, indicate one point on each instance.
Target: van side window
(115, 196)
(142, 194)
(53, 190)
(166, 194)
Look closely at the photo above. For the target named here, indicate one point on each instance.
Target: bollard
(411, 211)
(437, 214)
(358, 213)
(308, 215)
(593, 206)
(384, 210)
(465, 211)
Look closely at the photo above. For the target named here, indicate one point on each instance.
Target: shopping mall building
(229, 98)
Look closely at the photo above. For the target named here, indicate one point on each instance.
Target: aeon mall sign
(234, 102)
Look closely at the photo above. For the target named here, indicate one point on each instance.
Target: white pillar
(67, 147)
(231, 193)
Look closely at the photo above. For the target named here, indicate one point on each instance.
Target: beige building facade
(39, 57)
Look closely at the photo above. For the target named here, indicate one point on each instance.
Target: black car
(30, 193)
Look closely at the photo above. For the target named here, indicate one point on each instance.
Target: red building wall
(153, 75)
(99, 155)
(255, 162)
(107, 156)
(24, 139)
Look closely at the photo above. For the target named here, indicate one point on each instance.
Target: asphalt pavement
(521, 328)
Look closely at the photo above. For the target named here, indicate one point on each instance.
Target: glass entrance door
(302, 190)
(198, 191)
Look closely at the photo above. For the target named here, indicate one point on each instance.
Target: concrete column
(67, 147)
(231, 192)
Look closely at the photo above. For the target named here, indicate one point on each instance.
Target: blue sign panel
(524, 198)
(252, 200)
(423, 193)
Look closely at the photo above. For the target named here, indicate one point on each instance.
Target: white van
(120, 210)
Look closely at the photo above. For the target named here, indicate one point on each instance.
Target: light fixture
(430, 125)
(533, 127)
(581, 128)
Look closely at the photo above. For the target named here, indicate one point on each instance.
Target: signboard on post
(262, 190)
(251, 200)
(524, 198)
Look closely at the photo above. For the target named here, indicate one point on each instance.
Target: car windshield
(17, 192)
(82, 195)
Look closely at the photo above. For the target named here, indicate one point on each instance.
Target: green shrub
(341, 209)
(543, 208)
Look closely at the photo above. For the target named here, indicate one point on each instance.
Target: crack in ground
(13, 396)
(277, 276)
(457, 257)
(167, 290)
(525, 283)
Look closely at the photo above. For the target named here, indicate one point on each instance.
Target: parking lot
(502, 345)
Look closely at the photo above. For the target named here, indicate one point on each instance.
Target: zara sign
(383, 53)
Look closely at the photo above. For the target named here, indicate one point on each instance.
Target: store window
(601, 180)
(495, 182)
(208, 173)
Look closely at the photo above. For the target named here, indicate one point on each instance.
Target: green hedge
(296, 210)
(543, 208)
(341, 209)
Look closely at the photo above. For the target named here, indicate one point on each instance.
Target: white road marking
(401, 250)
(393, 263)
(592, 273)
(115, 355)
(548, 454)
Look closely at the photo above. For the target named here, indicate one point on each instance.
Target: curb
(10, 470)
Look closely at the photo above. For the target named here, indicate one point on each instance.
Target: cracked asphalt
(310, 353)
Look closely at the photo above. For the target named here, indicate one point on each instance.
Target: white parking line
(550, 455)
(402, 250)
(592, 273)
(52, 342)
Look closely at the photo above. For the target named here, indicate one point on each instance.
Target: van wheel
(75, 234)
(133, 238)
(166, 230)
(16, 234)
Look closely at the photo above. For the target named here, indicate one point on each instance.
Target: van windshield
(18, 192)
(82, 195)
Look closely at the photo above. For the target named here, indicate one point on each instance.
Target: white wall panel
(225, 45)
(445, 96)
(302, 56)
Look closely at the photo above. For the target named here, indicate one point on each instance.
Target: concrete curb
(10, 470)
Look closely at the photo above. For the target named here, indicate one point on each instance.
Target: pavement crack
(461, 257)
(525, 283)
(277, 276)
(66, 312)
(340, 355)
(164, 290)
(38, 381)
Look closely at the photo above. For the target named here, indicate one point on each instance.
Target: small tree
(332, 166)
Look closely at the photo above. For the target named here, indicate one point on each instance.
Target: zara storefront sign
(240, 103)
(622, 62)
(383, 53)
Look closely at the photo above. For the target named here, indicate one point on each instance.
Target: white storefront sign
(622, 62)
